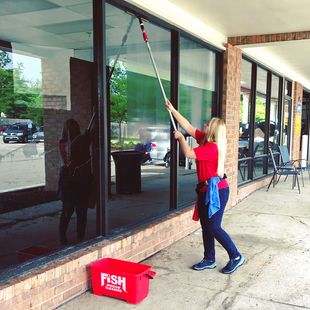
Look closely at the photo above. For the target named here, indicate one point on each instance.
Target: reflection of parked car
(39, 135)
(160, 138)
(182, 159)
(18, 132)
(4, 127)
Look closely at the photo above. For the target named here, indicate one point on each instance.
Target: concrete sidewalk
(270, 229)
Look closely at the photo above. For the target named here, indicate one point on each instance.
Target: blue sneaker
(204, 264)
(233, 264)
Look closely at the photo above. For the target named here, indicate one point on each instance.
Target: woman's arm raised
(184, 123)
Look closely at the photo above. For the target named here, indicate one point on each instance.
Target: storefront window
(244, 122)
(286, 113)
(197, 92)
(139, 120)
(259, 132)
(274, 129)
(46, 67)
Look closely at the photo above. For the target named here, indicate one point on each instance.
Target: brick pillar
(296, 118)
(64, 97)
(231, 111)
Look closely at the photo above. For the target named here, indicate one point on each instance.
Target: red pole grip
(145, 36)
(143, 31)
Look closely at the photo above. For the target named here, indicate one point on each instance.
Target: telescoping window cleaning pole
(155, 68)
(153, 62)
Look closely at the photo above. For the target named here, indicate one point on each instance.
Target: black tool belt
(200, 185)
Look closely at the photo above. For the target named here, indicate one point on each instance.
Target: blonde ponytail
(217, 134)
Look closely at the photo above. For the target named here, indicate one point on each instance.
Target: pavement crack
(300, 221)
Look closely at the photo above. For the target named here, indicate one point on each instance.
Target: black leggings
(76, 198)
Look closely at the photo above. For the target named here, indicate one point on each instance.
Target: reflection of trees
(260, 110)
(6, 88)
(118, 95)
(19, 98)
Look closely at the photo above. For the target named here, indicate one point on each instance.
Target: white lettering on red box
(113, 282)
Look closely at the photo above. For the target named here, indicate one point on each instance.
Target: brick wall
(298, 95)
(61, 281)
(268, 38)
(231, 111)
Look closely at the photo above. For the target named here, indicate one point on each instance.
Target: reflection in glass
(258, 167)
(138, 116)
(21, 107)
(45, 78)
(244, 121)
(274, 111)
(260, 112)
(197, 92)
(243, 169)
(286, 125)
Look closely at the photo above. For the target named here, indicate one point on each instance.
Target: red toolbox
(33, 252)
(121, 279)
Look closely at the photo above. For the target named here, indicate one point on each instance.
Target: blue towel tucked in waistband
(212, 196)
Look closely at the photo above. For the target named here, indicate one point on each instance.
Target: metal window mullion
(252, 118)
(100, 65)
(174, 154)
(219, 84)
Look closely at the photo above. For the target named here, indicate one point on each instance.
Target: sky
(32, 66)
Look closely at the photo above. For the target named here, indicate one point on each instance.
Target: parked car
(18, 132)
(159, 136)
(39, 135)
(3, 128)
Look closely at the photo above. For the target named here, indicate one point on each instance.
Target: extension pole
(154, 65)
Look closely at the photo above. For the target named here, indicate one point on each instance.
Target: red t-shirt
(207, 160)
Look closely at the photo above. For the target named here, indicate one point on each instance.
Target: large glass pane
(196, 94)
(244, 121)
(286, 122)
(274, 133)
(286, 114)
(139, 120)
(45, 78)
(260, 120)
(260, 111)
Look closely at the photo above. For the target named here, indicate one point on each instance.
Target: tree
(260, 113)
(6, 85)
(118, 95)
(6, 92)
(4, 59)
(19, 97)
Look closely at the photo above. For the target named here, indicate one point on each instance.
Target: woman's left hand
(178, 135)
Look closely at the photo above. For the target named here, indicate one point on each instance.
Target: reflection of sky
(32, 66)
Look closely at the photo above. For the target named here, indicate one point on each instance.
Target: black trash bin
(128, 171)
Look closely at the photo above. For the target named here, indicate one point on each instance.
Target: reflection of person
(212, 190)
(145, 148)
(74, 151)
